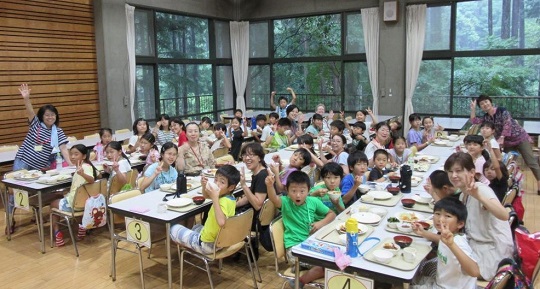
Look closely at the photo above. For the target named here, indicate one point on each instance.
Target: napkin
(139, 210)
(342, 260)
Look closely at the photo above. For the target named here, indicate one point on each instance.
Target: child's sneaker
(81, 233)
(300, 284)
(59, 239)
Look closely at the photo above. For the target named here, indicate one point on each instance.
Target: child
(306, 142)
(487, 130)
(281, 110)
(148, 148)
(489, 234)
(120, 163)
(220, 139)
(85, 173)
(395, 127)
(429, 129)
(205, 128)
(358, 164)
(237, 135)
(179, 128)
(438, 185)
(379, 173)
(400, 153)
(162, 172)
(162, 131)
(414, 136)
(272, 121)
(260, 120)
(201, 238)
(457, 265)
(332, 174)
(497, 174)
(359, 140)
(140, 127)
(475, 147)
(302, 216)
(238, 113)
(277, 138)
(336, 127)
(316, 127)
(299, 159)
(105, 137)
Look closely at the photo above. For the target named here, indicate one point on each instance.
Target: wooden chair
(94, 135)
(83, 193)
(116, 186)
(231, 238)
(510, 196)
(277, 232)
(224, 160)
(139, 181)
(220, 152)
(123, 130)
(223, 119)
(71, 139)
(474, 129)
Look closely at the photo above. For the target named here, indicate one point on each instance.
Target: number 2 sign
(338, 280)
(138, 231)
(21, 199)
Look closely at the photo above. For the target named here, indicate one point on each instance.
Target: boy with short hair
(358, 165)
(359, 141)
(302, 216)
(277, 139)
(456, 264)
(272, 121)
(379, 173)
(281, 109)
(332, 174)
(201, 238)
(336, 127)
(260, 120)
(414, 136)
(220, 139)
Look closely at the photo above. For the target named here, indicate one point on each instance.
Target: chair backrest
(220, 152)
(186, 121)
(116, 186)
(124, 130)
(124, 195)
(71, 138)
(224, 159)
(94, 135)
(277, 234)
(88, 190)
(9, 148)
(510, 196)
(223, 119)
(236, 228)
(267, 213)
(474, 129)
(139, 182)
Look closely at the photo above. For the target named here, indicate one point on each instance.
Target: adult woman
(194, 156)
(253, 156)
(320, 109)
(508, 132)
(337, 150)
(382, 133)
(488, 232)
(162, 130)
(44, 138)
(296, 126)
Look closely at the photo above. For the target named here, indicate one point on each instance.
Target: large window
(495, 51)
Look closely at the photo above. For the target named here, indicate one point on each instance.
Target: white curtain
(130, 28)
(416, 30)
(240, 59)
(370, 24)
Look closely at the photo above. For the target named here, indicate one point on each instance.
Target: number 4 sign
(138, 231)
(338, 280)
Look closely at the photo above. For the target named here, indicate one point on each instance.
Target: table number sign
(21, 199)
(441, 134)
(138, 231)
(338, 280)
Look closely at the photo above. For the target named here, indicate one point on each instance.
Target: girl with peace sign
(161, 172)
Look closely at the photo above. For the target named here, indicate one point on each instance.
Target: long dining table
(360, 266)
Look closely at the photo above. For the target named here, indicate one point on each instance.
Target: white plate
(418, 174)
(422, 199)
(366, 217)
(441, 143)
(179, 202)
(362, 229)
(380, 195)
(408, 216)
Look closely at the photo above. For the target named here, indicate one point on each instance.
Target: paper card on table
(21, 199)
(138, 231)
(338, 280)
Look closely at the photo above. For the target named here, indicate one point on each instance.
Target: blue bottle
(351, 227)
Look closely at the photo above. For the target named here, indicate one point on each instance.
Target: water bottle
(405, 181)
(99, 152)
(253, 123)
(59, 160)
(181, 183)
(351, 226)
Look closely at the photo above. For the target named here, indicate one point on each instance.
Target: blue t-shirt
(414, 137)
(165, 177)
(346, 184)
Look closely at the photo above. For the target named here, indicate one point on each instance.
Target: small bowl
(198, 200)
(408, 203)
(367, 198)
(364, 188)
(394, 178)
(383, 256)
(334, 195)
(403, 241)
(404, 227)
(378, 211)
(381, 187)
(393, 190)
(424, 225)
(423, 198)
(392, 225)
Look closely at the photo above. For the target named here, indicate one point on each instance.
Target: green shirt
(297, 220)
(211, 227)
(326, 198)
(279, 141)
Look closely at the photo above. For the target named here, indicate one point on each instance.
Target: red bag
(517, 204)
(528, 248)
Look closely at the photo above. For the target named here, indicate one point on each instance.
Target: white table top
(532, 127)
(369, 120)
(451, 123)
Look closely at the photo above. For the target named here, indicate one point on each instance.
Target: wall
(50, 46)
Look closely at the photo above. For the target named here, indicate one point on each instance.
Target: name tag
(38, 148)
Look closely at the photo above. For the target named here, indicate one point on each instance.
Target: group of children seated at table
(301, 197)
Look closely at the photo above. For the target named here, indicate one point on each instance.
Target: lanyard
(197, 157)
(38, 141)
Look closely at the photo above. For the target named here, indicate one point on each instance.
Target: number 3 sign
(138, 231)
(338, 280)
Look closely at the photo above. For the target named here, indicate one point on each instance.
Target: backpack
(94, 212)
(509, 276)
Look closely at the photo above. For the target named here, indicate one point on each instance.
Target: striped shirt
(164, 136)
(39, 136)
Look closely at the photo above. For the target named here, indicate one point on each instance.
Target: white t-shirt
(266, 132)
(341, 159)
(133, 140)
(123, 166)
(449, 272)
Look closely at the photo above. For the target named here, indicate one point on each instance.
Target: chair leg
(220, 265)
(181, 259)
(254, 261)
(113, 259)
(52, 229)
(68, 223)
(40, 234)
(209, 273)
(141, 269)
(249, 264)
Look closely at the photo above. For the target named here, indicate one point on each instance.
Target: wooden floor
(23, 266)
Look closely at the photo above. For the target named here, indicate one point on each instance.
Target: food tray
(394, 200)
(190, 187)
(420, 208)
(331, 235)
(397, 261)
(397, 231)
(188, 207)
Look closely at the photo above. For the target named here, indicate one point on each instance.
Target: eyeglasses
(249, 156)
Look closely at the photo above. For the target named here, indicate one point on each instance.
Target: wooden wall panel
(49, 45)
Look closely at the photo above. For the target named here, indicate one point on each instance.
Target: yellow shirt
(211, 227)
(78, 181)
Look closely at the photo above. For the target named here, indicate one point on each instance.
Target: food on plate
(392, 220)
(390, 246)
(408, 217)
(421, 166)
